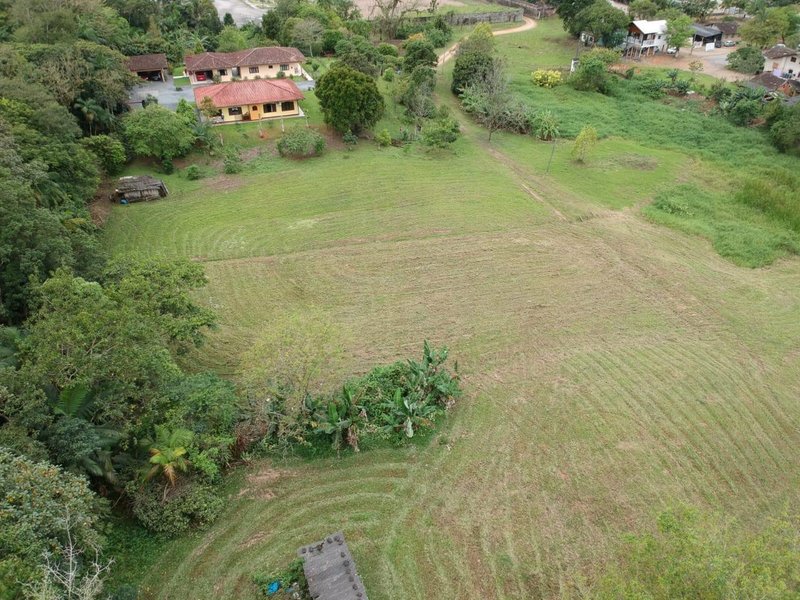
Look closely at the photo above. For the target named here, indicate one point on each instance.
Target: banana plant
(339, 417)
(406, 414)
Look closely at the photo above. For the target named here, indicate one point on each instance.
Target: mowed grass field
(612, 367)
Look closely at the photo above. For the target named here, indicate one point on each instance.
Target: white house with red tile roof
(253, 100)
(253, 63)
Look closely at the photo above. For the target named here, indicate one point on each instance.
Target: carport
(706, 34)
(151, 67)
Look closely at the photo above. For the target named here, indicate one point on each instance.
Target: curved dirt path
(451, 51)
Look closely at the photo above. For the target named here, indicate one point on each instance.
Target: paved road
(241, 11)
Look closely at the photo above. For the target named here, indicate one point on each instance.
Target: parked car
(672, 50)
(729, 43)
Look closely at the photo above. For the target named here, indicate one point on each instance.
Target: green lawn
(612, 366)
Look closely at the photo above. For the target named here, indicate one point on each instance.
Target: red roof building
(251, 100)
(149, 66)
(253, 63)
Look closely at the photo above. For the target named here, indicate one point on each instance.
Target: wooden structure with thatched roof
(139, 188)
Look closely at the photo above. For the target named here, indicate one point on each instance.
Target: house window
(287, 106)
(284, 67)
(223, 72)
(235, 72)
(793, 59)
(235, 110)
(253, 69)
(268, 108)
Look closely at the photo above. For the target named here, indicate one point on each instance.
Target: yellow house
(254, 63)
(252, 100)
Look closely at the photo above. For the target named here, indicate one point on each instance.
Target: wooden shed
(139, 188)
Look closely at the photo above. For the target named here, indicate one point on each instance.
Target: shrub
(546, 79)
(746, 60)
(191, 504)
(301, 142)
(385, 49)
(383, 138)
(193, 173)
(440, 133)
(388, 75)
(592, 73)
(350, 139)
(436, 37)
(281, 75)
(584, 143)
(545, 126)
(109, 151)
(232, 163)
(469, 69)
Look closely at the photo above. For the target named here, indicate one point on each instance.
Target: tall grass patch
(743, 233)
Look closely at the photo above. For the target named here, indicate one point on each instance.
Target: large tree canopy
(349, 99)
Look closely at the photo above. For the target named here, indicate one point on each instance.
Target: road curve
(451, 51)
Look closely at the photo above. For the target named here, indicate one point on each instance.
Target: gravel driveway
(241, 11)
(164, 91)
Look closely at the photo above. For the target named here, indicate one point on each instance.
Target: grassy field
(612, 366)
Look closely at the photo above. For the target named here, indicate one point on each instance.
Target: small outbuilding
(152, 67)
(139, 188)
(331, 571)
(707, 34)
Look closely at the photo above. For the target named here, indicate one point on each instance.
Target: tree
(480, 41)
(489, 98)
(642, 9)
(679, 30)
(419, 53)
(388, 15)
(158, 132)
(746, 60)
(698, 9)
(416, 94)
(168, 454)
(584, 143)
(603, 21)
(292, 361)
(474, 58)
(568, 11)
(43, 508)
(349, 99)
(227, 20)
(109, 151)
(306, 33)
(358, 53)
(785, 133)
(592, 73)
(232, 39)
(760, 31)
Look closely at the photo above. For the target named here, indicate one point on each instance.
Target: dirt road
(241, 11)
(450, 52)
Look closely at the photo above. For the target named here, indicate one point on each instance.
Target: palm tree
(168, 454)
(89, 109)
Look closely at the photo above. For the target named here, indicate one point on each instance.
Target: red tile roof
(253, 91)
(147, 62)
(244, 58)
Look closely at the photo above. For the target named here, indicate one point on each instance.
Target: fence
(504, 16)
(535, 10)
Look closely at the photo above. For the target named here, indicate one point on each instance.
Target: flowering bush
(545, 78)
